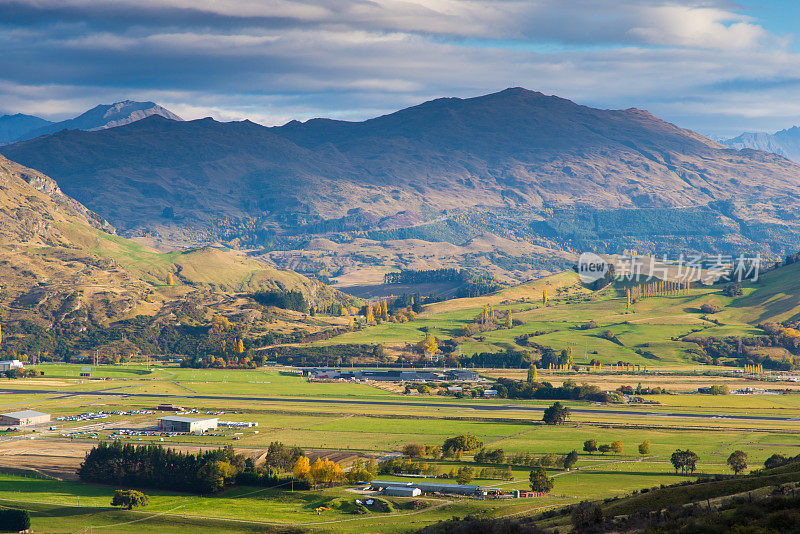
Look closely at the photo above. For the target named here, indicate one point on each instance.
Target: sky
(715, 66)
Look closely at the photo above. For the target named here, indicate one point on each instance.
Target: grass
(383, 422)
(377, 428)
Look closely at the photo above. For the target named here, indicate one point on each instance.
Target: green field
(654, 323)
(360, 419)
(379, 426)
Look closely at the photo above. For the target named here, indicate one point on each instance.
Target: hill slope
(61, 265)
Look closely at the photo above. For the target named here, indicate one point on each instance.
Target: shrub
(129, 499)
(710, 308)
(14, 520)
(776, 460)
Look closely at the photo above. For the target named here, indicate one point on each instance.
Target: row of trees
(153, 466)
(329, 473)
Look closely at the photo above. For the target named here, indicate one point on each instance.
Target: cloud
(695, 63)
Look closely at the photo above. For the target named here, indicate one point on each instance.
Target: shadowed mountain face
(14, 126)
(515, 163)
(102, 117)
(785, 143)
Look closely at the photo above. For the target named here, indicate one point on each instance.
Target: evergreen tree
(539, 481)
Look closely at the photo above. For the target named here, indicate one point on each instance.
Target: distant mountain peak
(785, 143)
(103, 117)
(13, 126)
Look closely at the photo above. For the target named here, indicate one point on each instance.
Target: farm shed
(402, 491)
(7, 365)
(429, 487)
(24, 418)
(174, 423)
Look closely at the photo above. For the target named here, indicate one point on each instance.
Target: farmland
(346, 421)
(380, 424)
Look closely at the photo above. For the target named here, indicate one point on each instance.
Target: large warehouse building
(24, 418)
(176, 423)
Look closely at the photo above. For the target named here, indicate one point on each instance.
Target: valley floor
(348, 420)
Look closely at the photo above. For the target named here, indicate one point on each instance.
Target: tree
(509, 320)
(604, 448)
(301, 468)
(718, 389)
(733, 290)
(539, 480)
(776, 460)
(644, 447)
(570, 460)
(590, 445)
(465, 475)
(684, 461)
(326, 471)
(616, 447)
(213, 476)
(464, 442)
(429, 344)
(414, 450)
(129, 499)
(14, 520)
(370, 316)
(532, 374)
(282, 457)
(737, 461)
(556, 414)
(170, 279)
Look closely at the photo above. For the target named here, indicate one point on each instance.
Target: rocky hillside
(517, 165)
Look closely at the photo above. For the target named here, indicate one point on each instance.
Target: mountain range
(784, 142)
(517, 169)
(20, 127)
(14, 126)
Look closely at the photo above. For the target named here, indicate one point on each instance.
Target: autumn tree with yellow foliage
(325, 471)
(429, 345)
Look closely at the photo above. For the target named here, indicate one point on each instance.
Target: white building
(176, 423)
(24, 418)
(7, 365)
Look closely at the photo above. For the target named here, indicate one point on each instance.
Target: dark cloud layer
(706, 65)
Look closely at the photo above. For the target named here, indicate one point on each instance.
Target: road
(478, 407)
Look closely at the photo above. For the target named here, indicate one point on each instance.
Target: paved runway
(479, 407)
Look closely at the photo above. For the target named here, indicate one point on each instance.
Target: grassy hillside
(651, 332)
(776, 297)
(62, 266)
